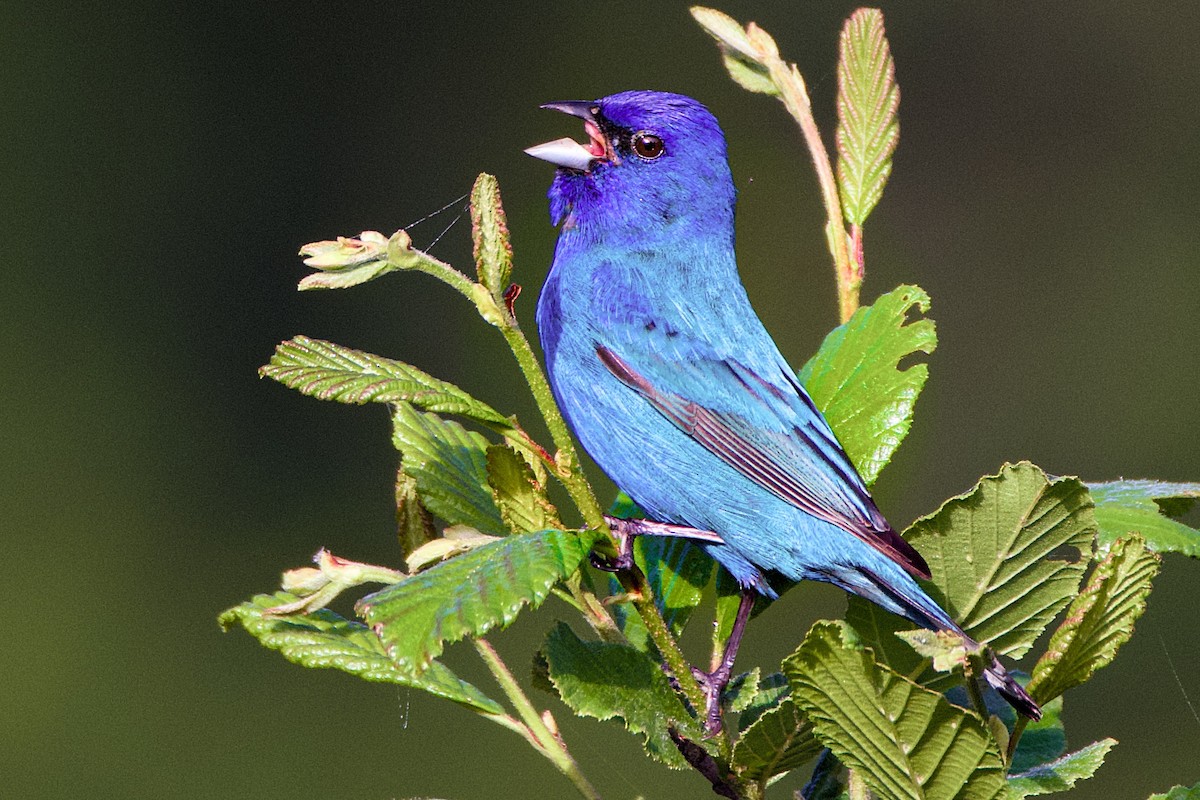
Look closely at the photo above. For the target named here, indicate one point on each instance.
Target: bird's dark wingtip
(1013, 693)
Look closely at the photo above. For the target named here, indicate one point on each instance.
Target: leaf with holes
(1099, 620)
(906, 741)
(470, 594)
(1146, 508)
(323, 639)
(449, 464)
(867, 100)
(1060, 774)
(329, 371)
(1006, 558)
(856, 381)
(605, 680)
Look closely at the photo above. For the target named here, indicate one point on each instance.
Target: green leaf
(344, 278)
(413, 523)
(323, 639)
(489, 231)
(1006, 558)
(328, 371)
(779, 741)
(1043, 741)
(522, 502)
(1179, 793)
(471, 594)
(772, 690)
(1061, 774)
(742, 55)
(907, 741)
(449, 464)
(1146, 507)
(742, 691)
(855, 381)
(605, 680)
(868, 97)
(1099, 620)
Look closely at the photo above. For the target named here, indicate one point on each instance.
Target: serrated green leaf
(1006, 558)
(323, 639)
(606, 680)
(522, 502)
(1145, 507)
(471, 594)
(1060, 774)
(489, 231)
(1043, 741)
(742, 691)
(779, 741)
(1179, 793)
(907, 741)
(750, 75)
(868, 97)
(449, 464)
(772, 690)
(855, 381)
(344, 278)
(413, 523)
(1099, 620)
(328, 371)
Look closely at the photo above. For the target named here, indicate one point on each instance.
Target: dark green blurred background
(163, 162)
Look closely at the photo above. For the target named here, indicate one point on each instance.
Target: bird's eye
(647, 145)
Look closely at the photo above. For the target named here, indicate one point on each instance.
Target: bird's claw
(713, 684)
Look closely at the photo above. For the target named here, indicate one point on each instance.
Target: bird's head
(652, 159)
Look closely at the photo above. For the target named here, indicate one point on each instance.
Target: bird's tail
(919, 607)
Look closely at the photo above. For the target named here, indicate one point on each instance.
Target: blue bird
(675, 388)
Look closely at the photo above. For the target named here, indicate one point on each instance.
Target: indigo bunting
(675, 388)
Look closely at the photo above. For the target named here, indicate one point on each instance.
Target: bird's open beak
(569, 153)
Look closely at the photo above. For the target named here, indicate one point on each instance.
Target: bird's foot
(624, 532)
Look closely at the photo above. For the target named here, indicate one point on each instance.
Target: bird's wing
(767, 429)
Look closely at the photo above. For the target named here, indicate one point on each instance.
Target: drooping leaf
(1179, 793)
(1060, 774)
(907, 741)
(1099, 620)
(1005, 558)
(522, 501)
(471, 594)
(323, 639)
(328, 371)
(449, 464)
(1146, 508)
(868, 97)
(855, 381)
(741, 54)
(1043, 741)
(779, 741)
(413, 523)
(489, 231)
(605, 680)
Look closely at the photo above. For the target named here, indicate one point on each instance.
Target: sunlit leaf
(1060, 774)
(868, 97)
(779, 741)
(449, 464)
(1006, 558)
(328, 371)
(1179, 793)
(323, 639)
(1146, 508)
(1099, 620)
(470, 594)
(906, 741)
(856, 382)
(1043, 741)
(605, 680)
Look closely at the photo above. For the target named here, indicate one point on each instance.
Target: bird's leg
(626, 529)
(714, 682)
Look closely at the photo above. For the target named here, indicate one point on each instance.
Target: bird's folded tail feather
(921, 609)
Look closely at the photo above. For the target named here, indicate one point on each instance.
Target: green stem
(539, 735)
(973, 691)
(794, 95)
(1015, 737)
